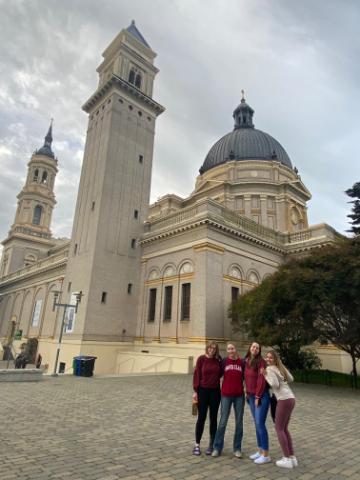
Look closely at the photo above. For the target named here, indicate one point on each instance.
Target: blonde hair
(231, 343)
(278, 363)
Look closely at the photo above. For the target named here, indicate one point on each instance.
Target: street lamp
(56, 303)
(11, 340)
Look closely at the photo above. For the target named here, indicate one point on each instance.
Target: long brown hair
(278, 363)
(254, 362)
(216, 346)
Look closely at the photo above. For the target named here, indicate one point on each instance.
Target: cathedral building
(156, 280)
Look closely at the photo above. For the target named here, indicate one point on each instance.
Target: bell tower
(114, 192)
(29, 238)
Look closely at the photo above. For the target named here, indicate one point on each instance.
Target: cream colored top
(279, 386)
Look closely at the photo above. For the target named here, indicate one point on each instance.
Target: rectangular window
(234, 296)
(168, 304)
(239, 203)
(129, 288)
(270, 203)
(255, 201)
(152, 305)
(141, 159)
(36, 314)
(103, 297)
(70, 315)
(271, 222)
(136, 213)
(133, 243)
(185, 301)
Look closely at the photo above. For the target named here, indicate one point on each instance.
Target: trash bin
(83, 366)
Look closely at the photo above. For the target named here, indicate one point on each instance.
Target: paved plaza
(134, 427)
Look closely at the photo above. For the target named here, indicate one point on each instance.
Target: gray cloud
(297, 61)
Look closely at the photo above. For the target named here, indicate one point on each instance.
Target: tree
(312, 298)
(273, 315)
(354, 192)
(337, 295)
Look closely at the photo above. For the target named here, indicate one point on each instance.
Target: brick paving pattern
(136, 427)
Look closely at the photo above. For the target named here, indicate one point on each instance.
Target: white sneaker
(294, 461)
(285, 463)
(261, 459)
(215, 453)
(238, 454)
(254, 456)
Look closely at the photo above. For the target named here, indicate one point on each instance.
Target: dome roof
(245, 143)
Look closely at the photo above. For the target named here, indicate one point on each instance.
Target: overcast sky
(298, 63)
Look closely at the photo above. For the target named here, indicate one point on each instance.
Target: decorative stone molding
(209, 247)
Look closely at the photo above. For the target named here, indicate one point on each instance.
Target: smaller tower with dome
(30, 237)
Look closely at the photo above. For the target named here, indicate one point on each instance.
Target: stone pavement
(136, 427)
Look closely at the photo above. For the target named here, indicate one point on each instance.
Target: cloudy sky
(298, 63)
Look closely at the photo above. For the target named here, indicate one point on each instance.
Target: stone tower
(105, 259)
(29, 238)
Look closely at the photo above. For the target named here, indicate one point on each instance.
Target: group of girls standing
(257, 375)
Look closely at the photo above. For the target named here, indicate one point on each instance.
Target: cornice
(214, 224)
(118, 82)
(30, 272)
(208, 246)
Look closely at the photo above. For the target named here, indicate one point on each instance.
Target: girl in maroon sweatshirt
(232, 393)
(258, 398)
(206, 383)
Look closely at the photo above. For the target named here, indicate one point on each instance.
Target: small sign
(18, 335)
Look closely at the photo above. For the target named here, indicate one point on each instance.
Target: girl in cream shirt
(278, 377)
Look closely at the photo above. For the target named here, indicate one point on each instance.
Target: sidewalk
(109, 428)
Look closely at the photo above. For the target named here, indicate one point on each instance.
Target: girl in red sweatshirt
(232, 393)
(258, 398)
(206, 383)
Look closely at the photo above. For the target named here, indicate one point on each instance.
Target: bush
(296, 359)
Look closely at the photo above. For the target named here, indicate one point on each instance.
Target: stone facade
(157, 280)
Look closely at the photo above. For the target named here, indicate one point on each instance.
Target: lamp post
(11, 340)
(65, 306)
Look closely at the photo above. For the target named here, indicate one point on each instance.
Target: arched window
(36, 175)
(253, 277)
(37, 215)
(138, 81)
(132, 76)
(44, 177)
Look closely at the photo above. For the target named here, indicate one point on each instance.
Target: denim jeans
(259, 415)
(226, 403)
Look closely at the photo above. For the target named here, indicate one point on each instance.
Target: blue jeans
(226, 403)
(259, 415)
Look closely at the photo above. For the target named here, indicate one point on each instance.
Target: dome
(245, 143)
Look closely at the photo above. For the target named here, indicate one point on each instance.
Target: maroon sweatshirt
(254, 381)
(232, 385)
(208, 372)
